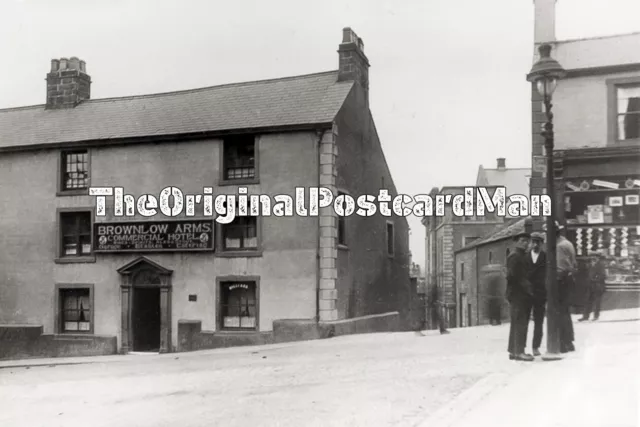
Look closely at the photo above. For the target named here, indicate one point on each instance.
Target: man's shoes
(583, 319)
(536, 352)
(444, 332)
(571, 347)
(595, 318)
(512, 356)
(524, 357)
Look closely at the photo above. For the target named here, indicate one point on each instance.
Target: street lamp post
(545, 74)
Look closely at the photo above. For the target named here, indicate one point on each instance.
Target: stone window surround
(222, 181)
(57, 314)
(233, 278)
(59, 258)
(612, 109)
(60, 191)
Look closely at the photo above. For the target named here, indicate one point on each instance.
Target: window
(462, 271)
(75, 170)
(490, 257)
(468, 240)
(75, 310)
(241, 234)
(390, 239)
(238, 309)
(75, 234)
(342, 227)
(239, 157)
(628, 111)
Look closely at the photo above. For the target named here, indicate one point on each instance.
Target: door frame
(126, 301)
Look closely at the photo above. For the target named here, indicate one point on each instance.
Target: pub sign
(153, 236)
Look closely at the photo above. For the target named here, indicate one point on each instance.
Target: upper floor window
(239, 157)
(342, 227)
(390, 239)
(466, 240)
(240, 234)
(75, 170)
(462, 271)
(75, 233)
(628, 112)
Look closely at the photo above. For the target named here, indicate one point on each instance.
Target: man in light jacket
(566, 268)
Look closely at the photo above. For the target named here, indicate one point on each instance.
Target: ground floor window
(75, 310)
(238, 305)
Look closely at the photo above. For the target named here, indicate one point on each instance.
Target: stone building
(475, 264)
(596, 113)
(444, 236)
(94, 284)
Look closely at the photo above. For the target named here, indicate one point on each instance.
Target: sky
(447, 78)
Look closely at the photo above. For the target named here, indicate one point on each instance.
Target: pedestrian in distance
(537, 263)
(520, 296)
(435, 309)
(596, 287)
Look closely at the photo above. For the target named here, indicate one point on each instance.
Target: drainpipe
(319, 133)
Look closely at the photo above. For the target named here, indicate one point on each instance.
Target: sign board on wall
(153, 236)
(540, 164)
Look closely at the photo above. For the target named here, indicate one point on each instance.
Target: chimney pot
(63, 64)
(502, 164)
(55, 65)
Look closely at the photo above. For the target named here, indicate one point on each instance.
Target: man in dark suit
(520, 297)
(597, 276)
(537, 263)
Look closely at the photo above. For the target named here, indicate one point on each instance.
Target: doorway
(146, 319)
(464, 317)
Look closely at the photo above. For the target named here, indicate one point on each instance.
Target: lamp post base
(549, 357)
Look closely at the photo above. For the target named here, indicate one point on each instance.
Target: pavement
(385, 379)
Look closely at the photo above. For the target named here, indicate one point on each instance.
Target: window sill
(83, 192)
(624, 142)
(390, 256)
(73, 335)
(227, 182)
(239, 254)
(237, 331)
(76, 260)
(343, 247)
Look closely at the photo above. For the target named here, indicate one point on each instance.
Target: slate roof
(504, 231)
(292, 101)
(515, 180)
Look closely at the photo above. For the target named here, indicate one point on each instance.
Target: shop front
(600, 199)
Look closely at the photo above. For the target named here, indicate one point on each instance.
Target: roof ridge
(608, 36)
(181, 92)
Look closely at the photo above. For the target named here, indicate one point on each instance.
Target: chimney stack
(353, 64)
(502, 163)
(68, 83)
(544, 21)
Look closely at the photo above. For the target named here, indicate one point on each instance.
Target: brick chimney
(68, 83)
(544, 21)
(354, 64)
(502, 163)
